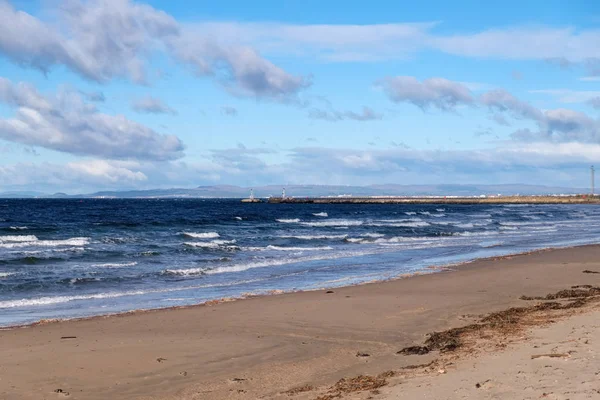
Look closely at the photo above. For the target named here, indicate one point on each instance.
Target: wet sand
(262, 347)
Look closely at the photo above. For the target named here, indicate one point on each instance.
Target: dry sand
(263, 347)
(559, 361)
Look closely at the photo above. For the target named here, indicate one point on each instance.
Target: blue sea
(75, 258)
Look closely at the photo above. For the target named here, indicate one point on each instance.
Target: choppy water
(71, 258)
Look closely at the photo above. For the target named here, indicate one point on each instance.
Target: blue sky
(115, 94)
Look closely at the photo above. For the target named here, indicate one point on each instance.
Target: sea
(69, 258)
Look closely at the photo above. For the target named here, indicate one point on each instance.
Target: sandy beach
(300, 345)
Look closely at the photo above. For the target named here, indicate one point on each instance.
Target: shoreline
(430, 269)
(265, 346)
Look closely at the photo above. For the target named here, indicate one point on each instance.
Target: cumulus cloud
(240, 69)
(366, 114)
(501, 100)
(439, 93)
(65, 122)
(229, 111)
(560, 124)
(105, 39)
(152, 105)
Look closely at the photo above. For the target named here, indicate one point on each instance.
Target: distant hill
(228, 191)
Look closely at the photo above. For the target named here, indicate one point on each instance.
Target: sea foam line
(314, 237)
(78, 241)
(202, 235)
(115, 265)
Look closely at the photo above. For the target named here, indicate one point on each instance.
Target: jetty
(251, 199)
(541, 199)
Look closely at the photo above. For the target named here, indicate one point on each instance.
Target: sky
(117, 94)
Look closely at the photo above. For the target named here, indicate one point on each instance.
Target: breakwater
(572, 199)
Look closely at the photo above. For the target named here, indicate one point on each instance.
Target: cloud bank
(65, 122)
(106, 39)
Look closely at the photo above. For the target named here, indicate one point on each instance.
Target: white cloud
(106, 39)
(439, 93)
(65, 122)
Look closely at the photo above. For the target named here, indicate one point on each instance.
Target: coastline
(265, 345)
(431, 269)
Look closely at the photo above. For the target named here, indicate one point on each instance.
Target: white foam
(115, 265)
(321, 214)
(470, 233)
(18, 228)
(373, 235)
(18, 238)
(49, 300)
(440, 209)
(438, 215)
(334, 223)
(262, 264)
(410, 213)
(279, 248)
(357, 240)
(202, 235)
(215, 244)
(6, 274)
(78, 241)
(239, 218)
(314, 237)
(288, 221)
(414, 224)
(222, 242)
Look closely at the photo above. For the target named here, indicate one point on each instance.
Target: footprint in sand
(62, 393)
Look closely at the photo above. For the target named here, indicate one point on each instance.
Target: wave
(279, 248)
(202, 235)
(78, 241)
(464, 225)
(288, 220)
(262, 264)
(18, 228)
(395, 239)
(410, 213)
(115, 265)
(215, 244)
(239, 218)
(471, 233)
(314, 237)
(6, 274)
(413, 224)
(357, 240)
(18, 238)
(49, 300)
(440, 209)
(333, 223)
(321, 214)
(373, 235)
